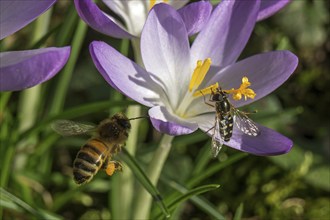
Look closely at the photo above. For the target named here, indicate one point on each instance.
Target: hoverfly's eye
(124, 123)
(216, 97)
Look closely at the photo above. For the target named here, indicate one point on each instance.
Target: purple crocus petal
(165, 50)
(270, 7)
(226, 33)
(123, 74)
(195, 16)
(166, 122)
(14, 15)
(267, 143)
(23, 69)
(266, 72)
(98, 20)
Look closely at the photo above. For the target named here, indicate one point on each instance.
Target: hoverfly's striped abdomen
(89, 160)
(226, 126)
(226, 120)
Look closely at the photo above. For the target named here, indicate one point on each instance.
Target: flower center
(153, 2)
(199, 75)
(196, 80)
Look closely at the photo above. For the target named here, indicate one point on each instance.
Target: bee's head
(122, 120)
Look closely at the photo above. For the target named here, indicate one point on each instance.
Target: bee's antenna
(140, 117)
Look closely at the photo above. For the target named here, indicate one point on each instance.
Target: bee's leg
(207, 103)
(111, 166)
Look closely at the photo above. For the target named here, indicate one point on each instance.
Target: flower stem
(123, 184)
(144, 199)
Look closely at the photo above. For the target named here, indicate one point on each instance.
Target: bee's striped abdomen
(89, 160)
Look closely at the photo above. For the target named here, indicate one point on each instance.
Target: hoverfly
(225, 116)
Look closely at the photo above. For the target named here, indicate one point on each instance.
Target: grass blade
(203, 204)
(239, 212)
(9, 200)
(214, 169)
(144, 180)
(191, 193)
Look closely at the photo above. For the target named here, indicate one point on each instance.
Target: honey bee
(225, 116)
(107, 139)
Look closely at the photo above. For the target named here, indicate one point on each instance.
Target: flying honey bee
(225, 116)
(107, 139)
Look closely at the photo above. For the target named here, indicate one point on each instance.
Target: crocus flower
(134, 14)
(171, 79)
(23, 69)
(270, 7)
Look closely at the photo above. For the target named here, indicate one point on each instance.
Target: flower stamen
(237, 94)
(207, 90)
(199, 73)
(153, 2)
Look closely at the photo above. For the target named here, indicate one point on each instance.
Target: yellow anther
(207, 90)
(243, 90)
(153, 2)
(199, 73)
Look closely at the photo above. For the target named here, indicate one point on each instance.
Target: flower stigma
(243, 90)
(153, 2)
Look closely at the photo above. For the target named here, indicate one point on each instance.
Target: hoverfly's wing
(244, 123)
(217, 139)
(68, 128)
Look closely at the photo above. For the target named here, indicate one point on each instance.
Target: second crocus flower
(174, 72)
(24, 69)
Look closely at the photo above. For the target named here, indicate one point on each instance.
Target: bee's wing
(244, 123)
(217, 139)
(68, 128)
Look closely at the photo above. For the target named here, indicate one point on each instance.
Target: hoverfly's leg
(245, 113)
(207, 103)
(213, 127)
(249, 113)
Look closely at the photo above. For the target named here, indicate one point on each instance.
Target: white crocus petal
(169, 123)
(165, 52)
(135, 12)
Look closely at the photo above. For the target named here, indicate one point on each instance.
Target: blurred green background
(35, 163)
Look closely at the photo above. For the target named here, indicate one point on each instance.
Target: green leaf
(239, 212)
(10, 201)
(202, 159)
(191, 193)
(317, 173)
(144, 180)
(202, 203)
(319, 177)
(214, 169)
